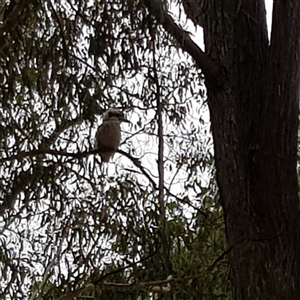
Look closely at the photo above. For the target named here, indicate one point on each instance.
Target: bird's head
(114, 114)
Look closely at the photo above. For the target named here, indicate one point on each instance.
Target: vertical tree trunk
(254, 123)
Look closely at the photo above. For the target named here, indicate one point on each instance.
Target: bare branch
(161, 286)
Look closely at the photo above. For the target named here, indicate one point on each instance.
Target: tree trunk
(254, 120)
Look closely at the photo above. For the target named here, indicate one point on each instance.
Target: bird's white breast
(108, 138)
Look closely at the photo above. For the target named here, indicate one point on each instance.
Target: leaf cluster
(65, 220)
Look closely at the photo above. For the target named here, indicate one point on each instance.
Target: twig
(138, 164)
(24, 154)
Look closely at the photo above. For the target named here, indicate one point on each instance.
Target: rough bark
(254, 123)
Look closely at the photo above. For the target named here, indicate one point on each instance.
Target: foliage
(65, 220)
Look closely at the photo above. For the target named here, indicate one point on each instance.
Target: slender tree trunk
(254, 123)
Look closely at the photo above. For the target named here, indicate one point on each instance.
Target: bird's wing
(108, 137)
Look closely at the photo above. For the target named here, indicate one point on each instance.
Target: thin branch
(123, 268)
(160, 286)
(222, 256)
(160, 159)
(138, 164)
(24, 154)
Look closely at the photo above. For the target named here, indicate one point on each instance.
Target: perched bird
(108, 135)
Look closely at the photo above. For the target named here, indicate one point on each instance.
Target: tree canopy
(67, 221)
(192, 200)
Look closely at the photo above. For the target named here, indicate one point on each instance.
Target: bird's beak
(124, 119)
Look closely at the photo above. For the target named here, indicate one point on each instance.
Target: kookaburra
(108, 135)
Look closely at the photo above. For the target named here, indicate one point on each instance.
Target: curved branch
(210, 68)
